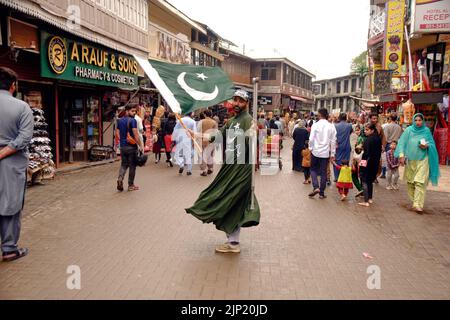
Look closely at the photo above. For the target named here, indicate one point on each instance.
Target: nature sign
(74, 60)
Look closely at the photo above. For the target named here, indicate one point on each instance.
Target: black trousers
(319, 168)
(367, 189)
(307, 173)
(128, 155)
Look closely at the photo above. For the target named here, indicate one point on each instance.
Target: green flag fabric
(187, 87)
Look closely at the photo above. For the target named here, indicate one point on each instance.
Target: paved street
(142, 245)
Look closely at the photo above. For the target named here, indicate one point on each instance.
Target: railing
(377, 23)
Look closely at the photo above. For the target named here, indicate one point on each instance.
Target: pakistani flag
(187, 87)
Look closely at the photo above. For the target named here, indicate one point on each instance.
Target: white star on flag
(201, 76)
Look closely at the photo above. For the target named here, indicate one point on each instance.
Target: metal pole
(254, 140)
(411, 83)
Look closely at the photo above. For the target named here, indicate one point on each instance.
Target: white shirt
(322, 139)
(140, 127)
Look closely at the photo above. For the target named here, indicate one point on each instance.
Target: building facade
(284, 86)
(334, 94)
(428, 27)
(76, 63)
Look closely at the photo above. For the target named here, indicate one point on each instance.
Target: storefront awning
(298, 98)
(367, 102)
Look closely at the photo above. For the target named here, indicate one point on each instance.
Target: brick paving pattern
(142, 245)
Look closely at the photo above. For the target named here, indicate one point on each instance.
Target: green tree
(359, 67)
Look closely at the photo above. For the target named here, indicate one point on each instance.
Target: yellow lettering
(135, 67)
(105, 58)
(99, 58)
(75, 55)
(120, 63)
(93, 59)
(84, 54)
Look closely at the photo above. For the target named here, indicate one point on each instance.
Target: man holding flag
(229, 201)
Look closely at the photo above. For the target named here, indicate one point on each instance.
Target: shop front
(90, 82)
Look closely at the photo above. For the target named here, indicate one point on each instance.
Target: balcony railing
(377, 23)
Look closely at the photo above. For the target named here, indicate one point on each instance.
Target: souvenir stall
(41, 165)
(429, 103)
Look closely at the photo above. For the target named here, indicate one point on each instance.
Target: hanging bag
(130, 139)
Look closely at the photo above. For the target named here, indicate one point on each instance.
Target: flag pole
(254, 140)
(197, 146)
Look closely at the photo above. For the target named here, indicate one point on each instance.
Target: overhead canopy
(367, 102)
(299, 98)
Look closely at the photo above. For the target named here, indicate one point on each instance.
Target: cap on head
(241, 94)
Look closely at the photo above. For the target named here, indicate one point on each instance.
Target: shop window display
(93, 119)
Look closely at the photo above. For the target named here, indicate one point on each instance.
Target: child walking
(157, 145)
(392, 167)
(306, 163)
(344, 182)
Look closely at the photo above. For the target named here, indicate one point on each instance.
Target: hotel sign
(431, 16)
(78, 61)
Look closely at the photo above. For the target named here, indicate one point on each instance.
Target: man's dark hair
(208, 113)
(7, 78)
(373, 114)
(202, 116)
(342, 117)
(323, 113)
(393, 117)
(277, 118)
(131, 106)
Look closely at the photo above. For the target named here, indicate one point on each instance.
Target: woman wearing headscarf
(300, 135)
(417, 149)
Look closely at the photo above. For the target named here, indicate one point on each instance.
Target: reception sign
(79, 61)
(431, 16)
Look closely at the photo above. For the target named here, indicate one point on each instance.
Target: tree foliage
(359, 64)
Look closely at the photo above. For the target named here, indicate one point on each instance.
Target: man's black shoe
(180, 171)
(210, 171)
(189, 173)
(312, 194)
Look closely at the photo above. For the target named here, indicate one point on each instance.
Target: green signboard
(80, 61)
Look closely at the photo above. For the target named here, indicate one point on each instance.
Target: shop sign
(383, 82)
(265, 100)
(393, 42)
(78, 61)
(170, 48)
(431, 16)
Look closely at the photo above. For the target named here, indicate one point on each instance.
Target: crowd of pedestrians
(361, 151)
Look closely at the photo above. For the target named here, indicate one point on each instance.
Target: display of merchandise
(41, 165)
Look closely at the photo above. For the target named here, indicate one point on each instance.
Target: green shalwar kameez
(227, 201)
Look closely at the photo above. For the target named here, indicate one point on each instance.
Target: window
(286, 73)
(353, 89)
(322, 88)
(269, 71)
(322, 103)
(345, 85)
(338, 87)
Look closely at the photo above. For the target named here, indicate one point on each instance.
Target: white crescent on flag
(195, 94)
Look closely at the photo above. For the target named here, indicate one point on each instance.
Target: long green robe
(227, 200)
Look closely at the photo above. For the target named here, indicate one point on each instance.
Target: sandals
(14, 255)
(133, 188)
